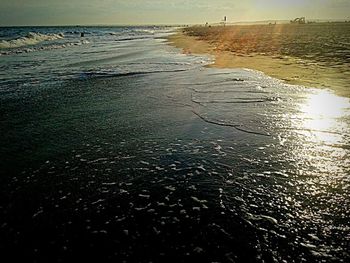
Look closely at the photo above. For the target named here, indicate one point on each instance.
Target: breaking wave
(30, 39)
(48, 47)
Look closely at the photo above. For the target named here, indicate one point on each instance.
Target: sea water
(116, 146)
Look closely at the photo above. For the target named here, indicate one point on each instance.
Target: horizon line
(176, 24)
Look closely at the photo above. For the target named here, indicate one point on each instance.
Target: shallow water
(131, 151)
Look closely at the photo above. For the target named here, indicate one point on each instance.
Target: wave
(134, 32)
(132, 38)
(108, 59)
(41, 48)
(146, 31)
(30, 39)
(113, 74)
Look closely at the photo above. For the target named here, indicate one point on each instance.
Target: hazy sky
(72, 12)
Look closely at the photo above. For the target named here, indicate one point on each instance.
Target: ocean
(116, 146)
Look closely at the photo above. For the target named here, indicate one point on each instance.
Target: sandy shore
(295, 54)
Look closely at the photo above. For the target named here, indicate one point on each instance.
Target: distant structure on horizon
(298, 20)
(224, 21)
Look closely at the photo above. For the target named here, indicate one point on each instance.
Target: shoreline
(289, 69)
(126, 150)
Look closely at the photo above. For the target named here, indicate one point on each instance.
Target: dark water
(151, 157)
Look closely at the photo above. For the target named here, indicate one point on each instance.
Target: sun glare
(322, 117)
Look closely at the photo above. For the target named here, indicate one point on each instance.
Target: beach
(118, 147)
(314, 55)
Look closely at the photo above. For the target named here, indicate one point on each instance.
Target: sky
(129, 12)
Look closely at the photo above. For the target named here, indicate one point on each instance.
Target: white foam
(30, 39)
(146, 31)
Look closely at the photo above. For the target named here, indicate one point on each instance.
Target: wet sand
(313, 55)
(146, 156)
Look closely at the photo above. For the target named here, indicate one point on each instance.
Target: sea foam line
(30, 39)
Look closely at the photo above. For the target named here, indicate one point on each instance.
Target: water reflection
(319, 143)
(318, 148)
(324, 118)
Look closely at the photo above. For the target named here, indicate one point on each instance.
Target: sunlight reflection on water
(323, 116)
(320, 144)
